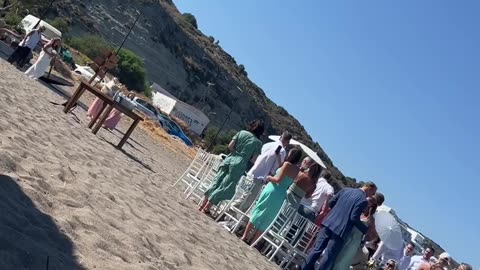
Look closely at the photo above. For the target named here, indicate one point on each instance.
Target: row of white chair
(200, 174)
(287, 238)
(234, 213)
(195, 168)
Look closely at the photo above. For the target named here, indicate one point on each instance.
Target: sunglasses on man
(391, 264)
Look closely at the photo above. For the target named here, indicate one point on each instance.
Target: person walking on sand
(26, 46)
(347, 207)
(47, 56)
(245, 146)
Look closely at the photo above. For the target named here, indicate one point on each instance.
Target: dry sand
(71, 196)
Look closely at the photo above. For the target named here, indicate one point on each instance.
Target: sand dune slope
(69, 195)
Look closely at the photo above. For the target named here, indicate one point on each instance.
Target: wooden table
(108, 105)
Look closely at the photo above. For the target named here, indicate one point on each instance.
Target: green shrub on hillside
(130, 69)
(148, 92)
(188, 17)
(13, 19)
(220, 145)
(220, 149)
(61, 25)
(91, 46)
(242, 69)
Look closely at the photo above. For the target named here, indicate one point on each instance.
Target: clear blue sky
(390, 90)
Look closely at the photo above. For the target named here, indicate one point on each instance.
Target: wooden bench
(108, 105)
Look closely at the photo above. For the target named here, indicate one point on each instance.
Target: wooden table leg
(94, 119)
(102, 119)
(74, 98)
(127, 135)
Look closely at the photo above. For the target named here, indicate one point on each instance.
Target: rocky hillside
(180, 58)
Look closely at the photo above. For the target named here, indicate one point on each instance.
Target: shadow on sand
(130, 156)
(28, 236)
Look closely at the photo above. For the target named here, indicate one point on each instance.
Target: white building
(193, 117)
(417, 239)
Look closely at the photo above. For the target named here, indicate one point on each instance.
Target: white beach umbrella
(388, 230)
(305, 149)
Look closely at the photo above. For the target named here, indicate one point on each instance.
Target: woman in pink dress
(96, 106)
(94, 109)
(114, 117)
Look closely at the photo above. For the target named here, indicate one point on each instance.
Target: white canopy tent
(305, 149)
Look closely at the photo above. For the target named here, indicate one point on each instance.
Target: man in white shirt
(418, 260)
(284, 141)
(404, 262)
(267, 163)
(384, 253)
(26, 46)
(311, 207)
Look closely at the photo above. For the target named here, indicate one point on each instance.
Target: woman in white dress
(49, 51)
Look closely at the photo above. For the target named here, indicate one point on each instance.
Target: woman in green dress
(273, 195)
(245, 146)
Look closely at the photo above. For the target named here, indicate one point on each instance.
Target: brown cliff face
(182, 60)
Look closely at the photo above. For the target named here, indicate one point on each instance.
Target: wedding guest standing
(26, 46)
(245, 146)
(47, 56)
(347, 207)
(273, 196)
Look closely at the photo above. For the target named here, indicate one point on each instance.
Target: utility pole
(180, 95)
(43, 14)
(107, 60)
(224, 121)
(204, 96)
(129, 31)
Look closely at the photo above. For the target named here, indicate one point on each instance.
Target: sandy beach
(68, 195)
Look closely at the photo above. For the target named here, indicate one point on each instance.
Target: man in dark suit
(347, 206)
